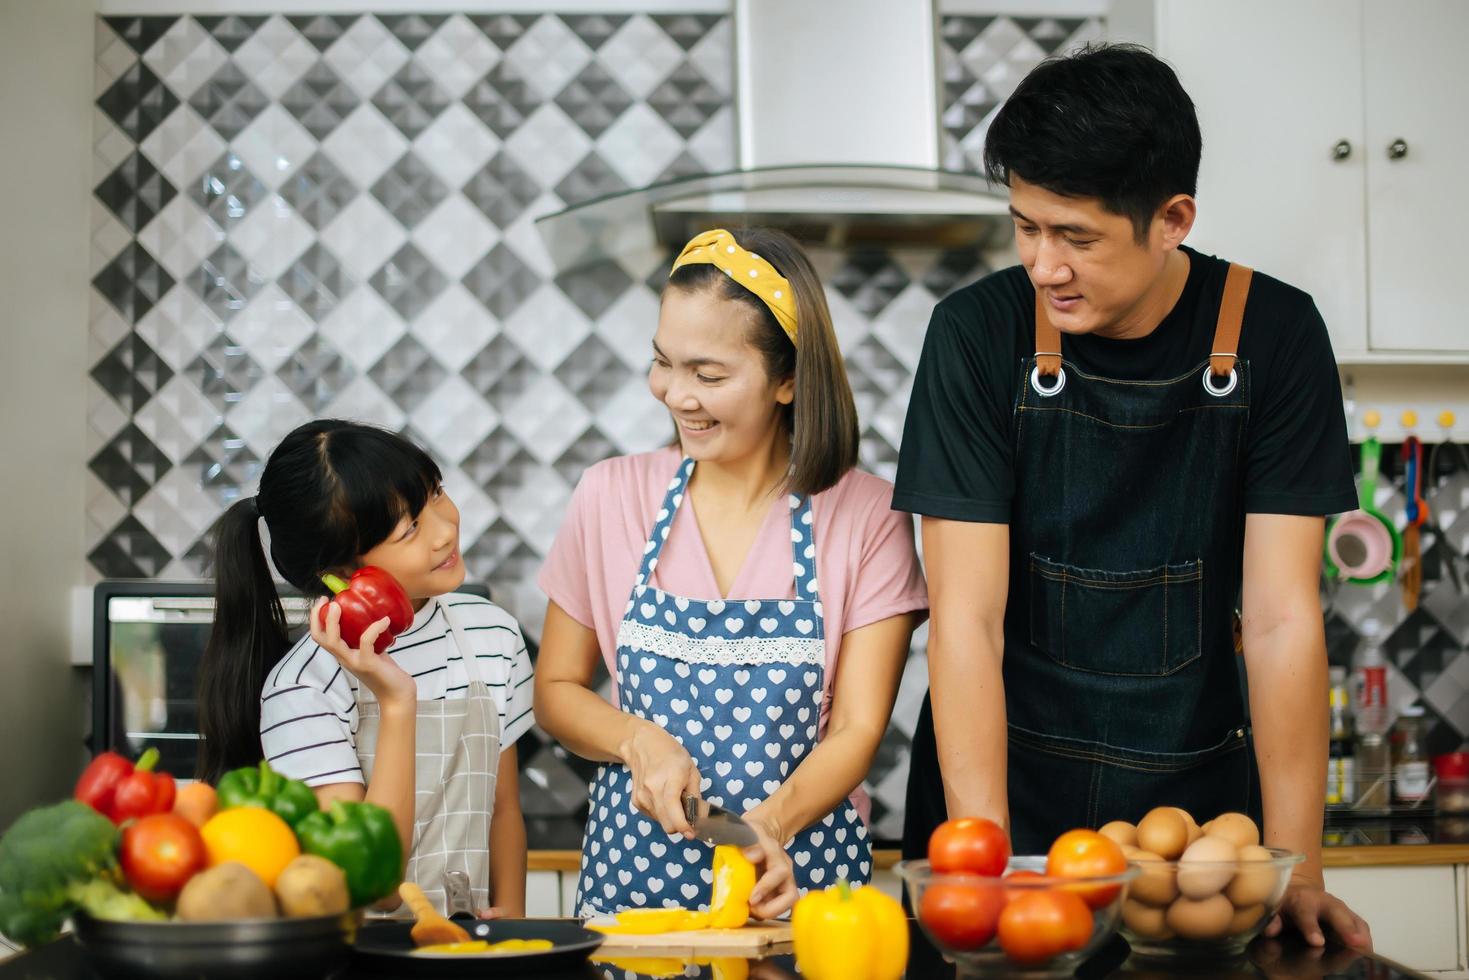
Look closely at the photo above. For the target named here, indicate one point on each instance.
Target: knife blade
(716, 825)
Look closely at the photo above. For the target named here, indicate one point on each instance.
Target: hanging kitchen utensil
(1411, 568)
(1363, 546)
(1453, 567)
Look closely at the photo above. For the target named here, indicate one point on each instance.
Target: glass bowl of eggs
(1202, 892)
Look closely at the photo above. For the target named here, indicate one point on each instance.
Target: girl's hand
(387, 681)
(663, 773)
(775, 891)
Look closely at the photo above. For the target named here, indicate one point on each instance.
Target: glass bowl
(1052, 924)
(1211, 912)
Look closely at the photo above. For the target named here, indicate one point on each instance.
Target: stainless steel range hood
(838, 111)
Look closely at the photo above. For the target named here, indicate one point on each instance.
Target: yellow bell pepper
(734, 879)
(847, 933)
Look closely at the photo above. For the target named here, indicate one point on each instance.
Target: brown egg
(1157, 885)
(1121, 831)
(1236, 828)
(1163, 832)
(1194, 830)
(1246, 919)
(1146, 921)
(1253, 885)
(1208, 919)
(1206, 867)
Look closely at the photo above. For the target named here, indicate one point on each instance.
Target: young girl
(428, 728)
(751, 592)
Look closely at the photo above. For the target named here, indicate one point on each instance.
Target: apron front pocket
(1143, 623)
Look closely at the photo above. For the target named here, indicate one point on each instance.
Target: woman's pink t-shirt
(866, 565)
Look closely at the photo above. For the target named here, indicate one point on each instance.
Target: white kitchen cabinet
(542, 894)
(1417, 914)
(1299, 104)
(1417, 96)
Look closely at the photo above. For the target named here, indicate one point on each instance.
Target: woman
(755, 648)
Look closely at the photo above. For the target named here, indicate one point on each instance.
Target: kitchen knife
(716, 825)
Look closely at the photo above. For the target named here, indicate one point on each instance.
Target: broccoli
(55, 859)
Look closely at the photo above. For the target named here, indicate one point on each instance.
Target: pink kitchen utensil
(1363, 546)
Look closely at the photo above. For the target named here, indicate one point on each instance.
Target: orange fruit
(254, 837)
(196, 803)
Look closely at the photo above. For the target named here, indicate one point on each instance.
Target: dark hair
(822, 419)
(1109, 121)
(329, 493)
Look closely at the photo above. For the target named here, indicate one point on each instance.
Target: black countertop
(1284, 959)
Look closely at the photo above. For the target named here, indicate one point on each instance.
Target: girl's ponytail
(329, 493)
(248, 639)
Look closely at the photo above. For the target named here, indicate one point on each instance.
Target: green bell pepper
(362, 840)
(289, 799)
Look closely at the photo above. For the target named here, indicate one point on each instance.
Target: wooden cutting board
(755, 939)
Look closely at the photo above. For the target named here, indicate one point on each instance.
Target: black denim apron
(1122, 686)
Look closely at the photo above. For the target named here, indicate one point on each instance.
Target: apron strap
(1222, 353)
(461, 644)
(1047, 341)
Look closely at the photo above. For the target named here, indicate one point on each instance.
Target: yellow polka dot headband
(719, 248)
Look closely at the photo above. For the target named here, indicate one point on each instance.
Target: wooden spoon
(429, 927)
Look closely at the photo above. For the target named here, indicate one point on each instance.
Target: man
(1112, 445)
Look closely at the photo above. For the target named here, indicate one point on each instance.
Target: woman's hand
(775, 891)
(388, 682)
(663, 773)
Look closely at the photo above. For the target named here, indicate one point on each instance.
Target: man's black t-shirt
(958, 444)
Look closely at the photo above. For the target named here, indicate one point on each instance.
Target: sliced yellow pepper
(473, 946)
(645, 922)
(847, 933)
(734, 879)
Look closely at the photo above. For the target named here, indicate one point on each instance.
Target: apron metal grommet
(1228, 387)
(1035, 382)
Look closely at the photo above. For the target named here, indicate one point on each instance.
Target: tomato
(159, 854)
(969, 845)
(961, 914)
(1041, 925)
(1013, 893)
(1086, 854)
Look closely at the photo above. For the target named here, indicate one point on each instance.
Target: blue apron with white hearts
(739, 683)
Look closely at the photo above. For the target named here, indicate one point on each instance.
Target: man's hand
(1308, 907)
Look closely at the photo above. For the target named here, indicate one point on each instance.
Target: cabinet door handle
(1397, 149)
(1341, 150)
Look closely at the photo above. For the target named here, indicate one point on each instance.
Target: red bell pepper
(369, 596)
(120, 790)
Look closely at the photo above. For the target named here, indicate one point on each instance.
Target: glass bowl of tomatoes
(1023, 921)
(1201, 909)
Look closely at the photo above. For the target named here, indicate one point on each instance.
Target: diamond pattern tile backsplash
(333, 215)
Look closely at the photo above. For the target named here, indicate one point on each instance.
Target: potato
(311, 886)
(226, 892)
